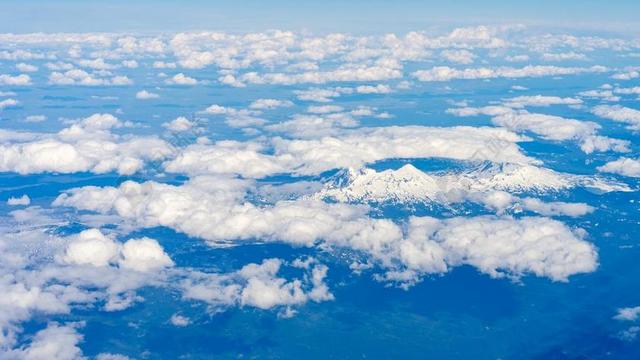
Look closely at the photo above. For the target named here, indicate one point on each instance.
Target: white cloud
(59, 342)
(628, 314)
(146, 95)
(179, 124)
(556, 208)
(623, 166)
(23, 200)
(91, 247)
(620, 114)
(626, 75)
(348, 72)
(498, 246)
(268, 104)
(179, 320)
(87, 145)
(22, 67)
(182, 79)
(324, 109)
(444, 73)
(144, 255)
(83, 78)
(18, 80)
(540, 100)
(563, 56)
(548, 126)
(321, 95)
(131, 64)
(495, 245)
(369, 89)
(605, 95)
(97, 64)
(257, 285)
(353, 148)
(458, 56)
(6, 103)
(35, 118)
(164, 65)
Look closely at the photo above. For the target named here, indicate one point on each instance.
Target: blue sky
(324, 16)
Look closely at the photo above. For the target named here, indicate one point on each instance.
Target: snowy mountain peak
(408, 184)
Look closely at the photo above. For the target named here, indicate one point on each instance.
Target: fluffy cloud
(257, 285)
(458, 56)
(18, 80)
(26, 67)
(144, 255)
(23, 200)
(369, 89)
(146, 95)
(498, 246)
(91, 247)
(35, 118)
(548, 126)
(179, 124)
(353, 148)
(540, 100)
(8, 103)
(620, 114)
(628, 314)
(444, 73)
(56, 341)
(206, 208)
(87, 145)
(623, 166)
(348, 72)
(83, 78)
(268, 104)
(182, 79)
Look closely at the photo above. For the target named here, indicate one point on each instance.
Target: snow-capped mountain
(410, 185)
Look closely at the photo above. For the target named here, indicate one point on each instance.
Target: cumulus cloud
(179, 124)
(268, 104)
(620, 114)
(370, 89)
(628, 314)
(321, 95)
(623, 166)
(26, 67)
(540, 100)
(35, 118)
(497, 246)
(23, 200)
(87, 145)
(91, 247)
(181, 79)
(257, 285)
(18, 80)
(56, 341)
(146, 95)
(548, 126)
(461, 56)
(6, 103)
(444, 73)
(83, 78)
(353, 148)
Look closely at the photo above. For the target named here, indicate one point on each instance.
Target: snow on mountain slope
(410, 185)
